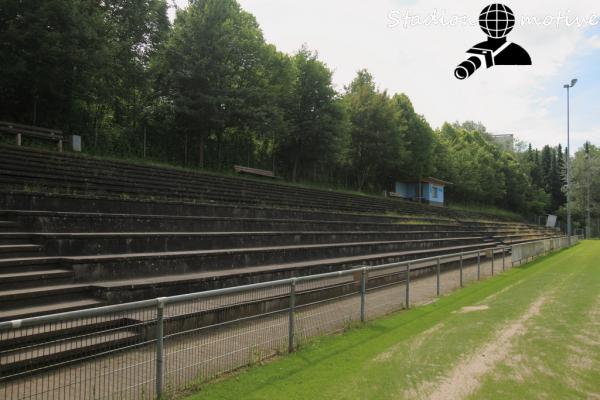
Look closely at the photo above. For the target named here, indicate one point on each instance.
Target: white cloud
(594, 41)
(419, 61)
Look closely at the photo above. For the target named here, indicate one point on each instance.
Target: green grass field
(531, 333)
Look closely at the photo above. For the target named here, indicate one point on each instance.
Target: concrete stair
(105, 224)
(6, 226)
(88, 175)
(78, 232)
(19, 250)
(40, 350)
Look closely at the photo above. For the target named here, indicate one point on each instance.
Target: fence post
(438, 275)
(461, 270)
(478, 265)
(18, 139)
(512, 256)
(160, 356)
(493, 262)
(363, 293)
(408, 285)
(292, 321)
(503, 259)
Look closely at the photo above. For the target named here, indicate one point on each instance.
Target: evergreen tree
(314, 117)
(376, 133)
(213, 69)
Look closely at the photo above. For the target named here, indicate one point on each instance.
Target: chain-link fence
(145, 349)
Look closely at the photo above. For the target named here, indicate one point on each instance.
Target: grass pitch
(531, 333)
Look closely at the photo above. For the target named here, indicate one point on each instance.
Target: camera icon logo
(496, 21)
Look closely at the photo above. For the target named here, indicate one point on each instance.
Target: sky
(410, 49)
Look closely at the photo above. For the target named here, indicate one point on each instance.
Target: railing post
(291, 319)
(60, 146)
(438, 275)
(461, 270)
(512, 257)
(18, 139)
(363, 293)
(503, 259)
(492, 262)
(160, 356)
(478, 265)
(408, 285)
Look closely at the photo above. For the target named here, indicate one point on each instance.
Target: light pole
(568, 87)
(588, 216)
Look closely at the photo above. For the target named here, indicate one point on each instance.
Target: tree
(477, 169)
(472, 126)
(558, 180)
(78, 65)
(418, 139)
(376, 134)
(49, 56)
(585, 186)
(118, 73)
(213, 69)
(314, 118)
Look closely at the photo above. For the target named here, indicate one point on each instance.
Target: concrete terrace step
(23, 264)
(101, 165)
(38, 292)
(187, 176)
(123, 184)
(49, 307)
(213, 180)
(29, 279)
(16, 238)
(36, 301)
(37, 275)
(125, 266)
(149, 287)
(6, 226)
(39, 204)
(9, 224)
(32, 350)
(19, 250)
(110, 222)
(36, 357)
(8, 248)
(71, 244)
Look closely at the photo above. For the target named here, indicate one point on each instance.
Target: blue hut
(427, 190)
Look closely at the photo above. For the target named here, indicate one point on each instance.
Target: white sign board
(551, 223)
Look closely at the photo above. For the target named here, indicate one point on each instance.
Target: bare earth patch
(470, 309)
(465, 377)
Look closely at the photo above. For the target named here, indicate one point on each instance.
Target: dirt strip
(465, 377)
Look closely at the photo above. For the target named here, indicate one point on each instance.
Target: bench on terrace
(254, 171)
(32, 131)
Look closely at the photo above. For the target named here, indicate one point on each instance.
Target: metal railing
(146, 349)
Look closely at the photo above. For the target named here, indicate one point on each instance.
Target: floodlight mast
(569, 225)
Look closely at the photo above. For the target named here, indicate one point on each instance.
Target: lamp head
(566, 86)
(573, 82)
